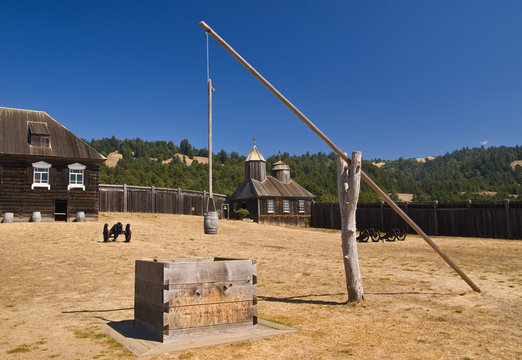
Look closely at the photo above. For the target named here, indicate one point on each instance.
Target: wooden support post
(468, 218)
(406, 211)
(211, 204)
(179, 203)
(153, 199)
(204, 200)
(348, 183)
(381, 217)
(332, 225)
(508, 220)
(338, 151)
(435, 217)
(124, 197)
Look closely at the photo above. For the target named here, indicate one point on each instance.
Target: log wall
(16, 195)
(493, 220)
(126, 198)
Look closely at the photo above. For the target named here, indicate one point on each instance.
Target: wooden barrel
(37, 217)
(210, 223)
(80, 216)
(8, 217)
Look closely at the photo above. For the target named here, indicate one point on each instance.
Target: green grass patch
(186, 355)
(80, 334)
(346, 352)
(113, 343)
(458, 311)
(20, 349)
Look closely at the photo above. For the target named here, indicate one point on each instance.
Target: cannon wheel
(105, 232)
(391, 235)
(363, 236)
(128, 233)
(375, 235)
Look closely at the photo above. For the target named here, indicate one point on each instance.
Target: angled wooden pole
(338, 151)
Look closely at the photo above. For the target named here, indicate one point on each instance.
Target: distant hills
(479, 174)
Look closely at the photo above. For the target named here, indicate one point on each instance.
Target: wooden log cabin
(275, 199)
(45, 168)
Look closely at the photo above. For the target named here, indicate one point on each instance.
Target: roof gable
(17, 127)
(270, 187)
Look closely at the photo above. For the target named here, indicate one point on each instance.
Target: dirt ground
(59, 282)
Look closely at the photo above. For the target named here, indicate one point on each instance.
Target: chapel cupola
(255, 165)
(281, 172)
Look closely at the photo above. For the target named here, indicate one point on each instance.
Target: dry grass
(59, 281)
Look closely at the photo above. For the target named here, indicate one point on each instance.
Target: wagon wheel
(401, 235)
(105, 232)
(376, 236)
(363, 236)
(128, 233)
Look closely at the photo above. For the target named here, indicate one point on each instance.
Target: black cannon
(376, 235)
(366, 234)
(115, 231)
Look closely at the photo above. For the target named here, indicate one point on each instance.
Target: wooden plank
(181, 317)
(219, 292)
(216, 271)
(149, 313)
(155, 332)
(151, 292)
(150, 271)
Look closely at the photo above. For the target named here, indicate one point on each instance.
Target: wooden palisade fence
(494, 219)
(127, 198)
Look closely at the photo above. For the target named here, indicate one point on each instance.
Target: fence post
(179, 203)
(468, 217)
(406, 211)
(124, 197)
(508, 223)
(435, 217)
(153, 199)
(331, 215)
(381, 216)
(204, 198)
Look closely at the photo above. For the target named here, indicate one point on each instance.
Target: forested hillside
(480, 174)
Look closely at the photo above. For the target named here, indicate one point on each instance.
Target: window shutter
(29, 175)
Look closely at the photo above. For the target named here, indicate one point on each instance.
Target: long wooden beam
(340, 153)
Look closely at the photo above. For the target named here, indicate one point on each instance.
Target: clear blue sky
(389, 78)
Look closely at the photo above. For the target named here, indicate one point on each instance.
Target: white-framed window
(270, 206)
(301, 206)
(41, 175)
(76, 176)
(286, 206)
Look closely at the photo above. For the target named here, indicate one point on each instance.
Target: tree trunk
(348, 182)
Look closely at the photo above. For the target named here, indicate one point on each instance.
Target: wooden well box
(182, 297)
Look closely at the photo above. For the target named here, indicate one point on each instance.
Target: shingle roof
(15, 123)
(270, 187)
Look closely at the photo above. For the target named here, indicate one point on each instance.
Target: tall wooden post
(348, 183)
(211, 205)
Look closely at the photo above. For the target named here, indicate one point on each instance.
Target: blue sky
(389, 78)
